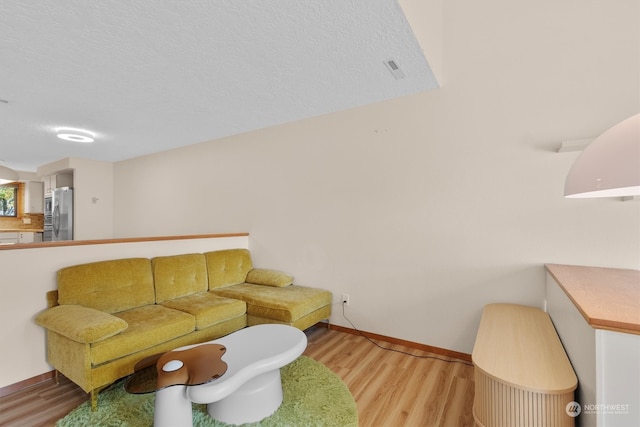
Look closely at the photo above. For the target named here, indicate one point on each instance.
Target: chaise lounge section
(271, 296)
(106, 316)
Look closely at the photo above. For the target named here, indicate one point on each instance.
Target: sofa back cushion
(227, 267)
(179, 275)
(109, 286)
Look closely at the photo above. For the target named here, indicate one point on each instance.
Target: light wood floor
(390, 388)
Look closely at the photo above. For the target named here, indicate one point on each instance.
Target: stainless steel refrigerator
(62, 202)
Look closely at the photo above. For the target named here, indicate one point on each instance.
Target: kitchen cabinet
(7, 237)
(34, 197)
(51, 182)
(26, 237)
(47, 185)
(12, 237)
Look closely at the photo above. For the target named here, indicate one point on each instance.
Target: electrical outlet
(345, 299)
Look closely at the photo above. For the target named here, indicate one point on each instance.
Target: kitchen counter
(21, 230)
(607, 298)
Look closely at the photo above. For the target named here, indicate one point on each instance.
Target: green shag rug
(313, 396)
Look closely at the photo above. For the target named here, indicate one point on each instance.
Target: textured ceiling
(148, 76)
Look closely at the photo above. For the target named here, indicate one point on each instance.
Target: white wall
(92, 195)
(425, 208)
(93, 199)
(426, 20)
(28, 274)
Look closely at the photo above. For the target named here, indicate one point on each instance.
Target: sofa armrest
(81, 324)
(52, 298)
(263, 276)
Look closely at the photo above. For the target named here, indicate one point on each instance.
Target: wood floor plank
(454, 413)
(411, 406)
(385, 399)
(390, 388)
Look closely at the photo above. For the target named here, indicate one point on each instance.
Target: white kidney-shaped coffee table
(248, 391)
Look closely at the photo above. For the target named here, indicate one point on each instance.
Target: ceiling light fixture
(7, 175)
(75, 135)
(610, 165)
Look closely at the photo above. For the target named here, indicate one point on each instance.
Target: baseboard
(431, 349)
(26, 383)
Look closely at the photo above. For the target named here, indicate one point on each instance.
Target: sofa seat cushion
(285, 304)
(208, 308)
(148, 326)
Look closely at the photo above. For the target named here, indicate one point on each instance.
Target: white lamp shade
(7, 175)
(610, 165)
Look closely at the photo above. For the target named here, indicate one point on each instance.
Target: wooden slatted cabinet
(523, 376)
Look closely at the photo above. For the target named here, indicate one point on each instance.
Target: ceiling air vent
(394, 68)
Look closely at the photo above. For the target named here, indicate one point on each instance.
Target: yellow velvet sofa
(106, 316)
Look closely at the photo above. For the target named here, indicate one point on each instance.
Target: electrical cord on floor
(400, 351)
